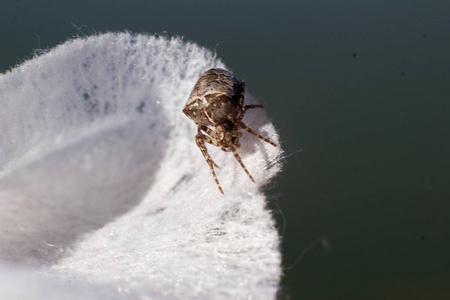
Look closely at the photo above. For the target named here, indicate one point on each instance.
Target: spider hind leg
(238, 158)
(238, 122)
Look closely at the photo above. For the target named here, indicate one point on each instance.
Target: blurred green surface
(362, 88)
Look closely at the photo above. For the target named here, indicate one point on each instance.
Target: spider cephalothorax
(217, 100)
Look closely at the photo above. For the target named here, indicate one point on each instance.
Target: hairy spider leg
(247, 107)
(238, 122)
(242, 96)
(242, 114)
(238, 158)
(230, 148)
(200, 139)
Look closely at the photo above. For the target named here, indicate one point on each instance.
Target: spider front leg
(200, 139)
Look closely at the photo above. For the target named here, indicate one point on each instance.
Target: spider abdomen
(216, 94)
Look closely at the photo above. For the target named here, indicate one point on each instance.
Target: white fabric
(103, 191)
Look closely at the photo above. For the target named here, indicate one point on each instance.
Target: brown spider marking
(217, 100)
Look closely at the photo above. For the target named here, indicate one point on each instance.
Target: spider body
(217, 100)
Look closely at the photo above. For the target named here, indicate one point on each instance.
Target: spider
(217, 100)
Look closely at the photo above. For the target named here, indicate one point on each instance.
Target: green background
(362, 88)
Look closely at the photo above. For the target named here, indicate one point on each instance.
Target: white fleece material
(104, 193)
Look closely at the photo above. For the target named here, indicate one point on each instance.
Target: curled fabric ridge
(103, 191)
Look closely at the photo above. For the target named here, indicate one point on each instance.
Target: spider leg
(242, 125)
(207, 139)
(200, 139)
(242, 96)
(247, 107)
(238, 158)
(241, 102)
